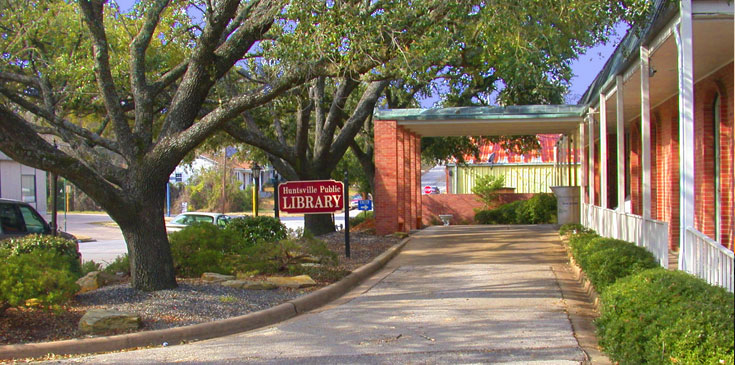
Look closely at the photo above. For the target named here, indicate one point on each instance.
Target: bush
(607, 260)
(578, 244)
(486, 188)
(254, 229)
(121, 264)
(271, 257)
(68, 250)
(573, 228)
(361, 217)
(89, 266)
(540, 209)
(41, 274)
(666, 317)
(203, 247)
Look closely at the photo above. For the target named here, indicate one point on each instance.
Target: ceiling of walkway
(487, 121)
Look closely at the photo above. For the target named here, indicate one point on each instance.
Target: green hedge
(540, 209)
(38, 270)
(666, 317)
(609, 260)
(203, 247)
(69, 250)
(254, 229)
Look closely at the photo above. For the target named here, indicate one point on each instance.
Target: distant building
(20, 182)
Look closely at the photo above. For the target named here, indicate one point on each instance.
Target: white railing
(705, 258)
(648, 233)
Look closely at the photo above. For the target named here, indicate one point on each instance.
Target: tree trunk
(144, 230)
(318, 224)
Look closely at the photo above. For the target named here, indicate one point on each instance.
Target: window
(28, 188)
(716, 162)
(179, 177)
(34, 223)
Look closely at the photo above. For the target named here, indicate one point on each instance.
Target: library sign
(311, 197)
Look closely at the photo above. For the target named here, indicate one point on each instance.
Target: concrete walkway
(459, 294)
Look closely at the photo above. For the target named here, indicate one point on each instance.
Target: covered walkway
(460, 294)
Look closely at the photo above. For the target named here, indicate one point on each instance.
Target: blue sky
(585, 67)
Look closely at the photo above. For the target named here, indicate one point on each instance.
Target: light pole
(256, 179)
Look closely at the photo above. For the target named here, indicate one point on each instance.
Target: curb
(203, 331)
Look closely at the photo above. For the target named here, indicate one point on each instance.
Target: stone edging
(581, 277)
(203, 331)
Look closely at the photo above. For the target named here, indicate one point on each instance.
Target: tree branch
(336, 111)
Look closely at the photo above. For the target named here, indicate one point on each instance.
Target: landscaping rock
(103, 321)
(95, 280)
(295, 282)
(216, 278)
(249, 284)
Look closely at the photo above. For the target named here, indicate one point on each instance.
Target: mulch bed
(202, 301)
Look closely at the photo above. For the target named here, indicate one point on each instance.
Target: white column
(686, 117)
(645, 133)
(621, 143)
(603, 152)
(591, 162)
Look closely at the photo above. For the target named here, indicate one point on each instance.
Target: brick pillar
(412, 180)
(417, 181)
(386, 176)
(636, 194)
(401, 178)
(407, 197)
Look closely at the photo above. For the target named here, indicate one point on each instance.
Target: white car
(186, 219)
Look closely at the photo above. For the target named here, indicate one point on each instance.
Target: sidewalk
(460, 294)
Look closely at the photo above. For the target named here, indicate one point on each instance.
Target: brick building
(659, 115)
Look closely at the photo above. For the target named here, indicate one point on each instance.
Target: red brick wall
(397, 178)
(461, 206)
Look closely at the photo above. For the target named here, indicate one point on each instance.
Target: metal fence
(649, 233)
(705, 258)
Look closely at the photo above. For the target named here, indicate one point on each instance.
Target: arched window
(716, 119)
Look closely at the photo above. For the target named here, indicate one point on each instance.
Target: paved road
(460, 294)
(435, 177)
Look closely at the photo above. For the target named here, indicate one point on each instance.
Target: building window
(178, 177)
(716, 119)
(28, 188)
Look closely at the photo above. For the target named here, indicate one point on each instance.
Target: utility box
(567, 204)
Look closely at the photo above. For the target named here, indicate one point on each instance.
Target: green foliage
(666, 317)
(205, 192)
(89, 266)
(361, 217)
(573, 228)
(540, 209)
(41, 275)
(486, 188)
(120, 264)
(272, 257)
(202, 247)
(254, 229)
(607, 260)
(69, 250)
(578, 244)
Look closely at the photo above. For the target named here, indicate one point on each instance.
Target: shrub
(41, 274)
(66, 249)
(254, 229)
(541, 208)
(486, 188)
(202, 247)
(607, 260)
(660, 316)
(578, 244)
(89, 266)
(361, 217)
(270, 257)
(573, 228)
(121, 264)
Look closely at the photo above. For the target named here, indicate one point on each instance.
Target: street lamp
(256, 179)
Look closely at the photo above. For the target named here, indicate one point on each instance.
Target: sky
(585, 68)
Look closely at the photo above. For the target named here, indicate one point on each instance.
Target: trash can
(567, 204)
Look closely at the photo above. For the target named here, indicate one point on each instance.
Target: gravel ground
(193, 301)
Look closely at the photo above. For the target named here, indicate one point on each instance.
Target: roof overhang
(487, 121)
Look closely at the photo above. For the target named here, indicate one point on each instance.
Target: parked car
(186, 219)
(19, 219)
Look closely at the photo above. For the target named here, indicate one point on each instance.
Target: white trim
(603, 151)
(645, 133)
(582, 157)
(621, 143)
(591, 162)
(684, 39)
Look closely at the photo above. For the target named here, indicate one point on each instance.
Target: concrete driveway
(459, 294)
